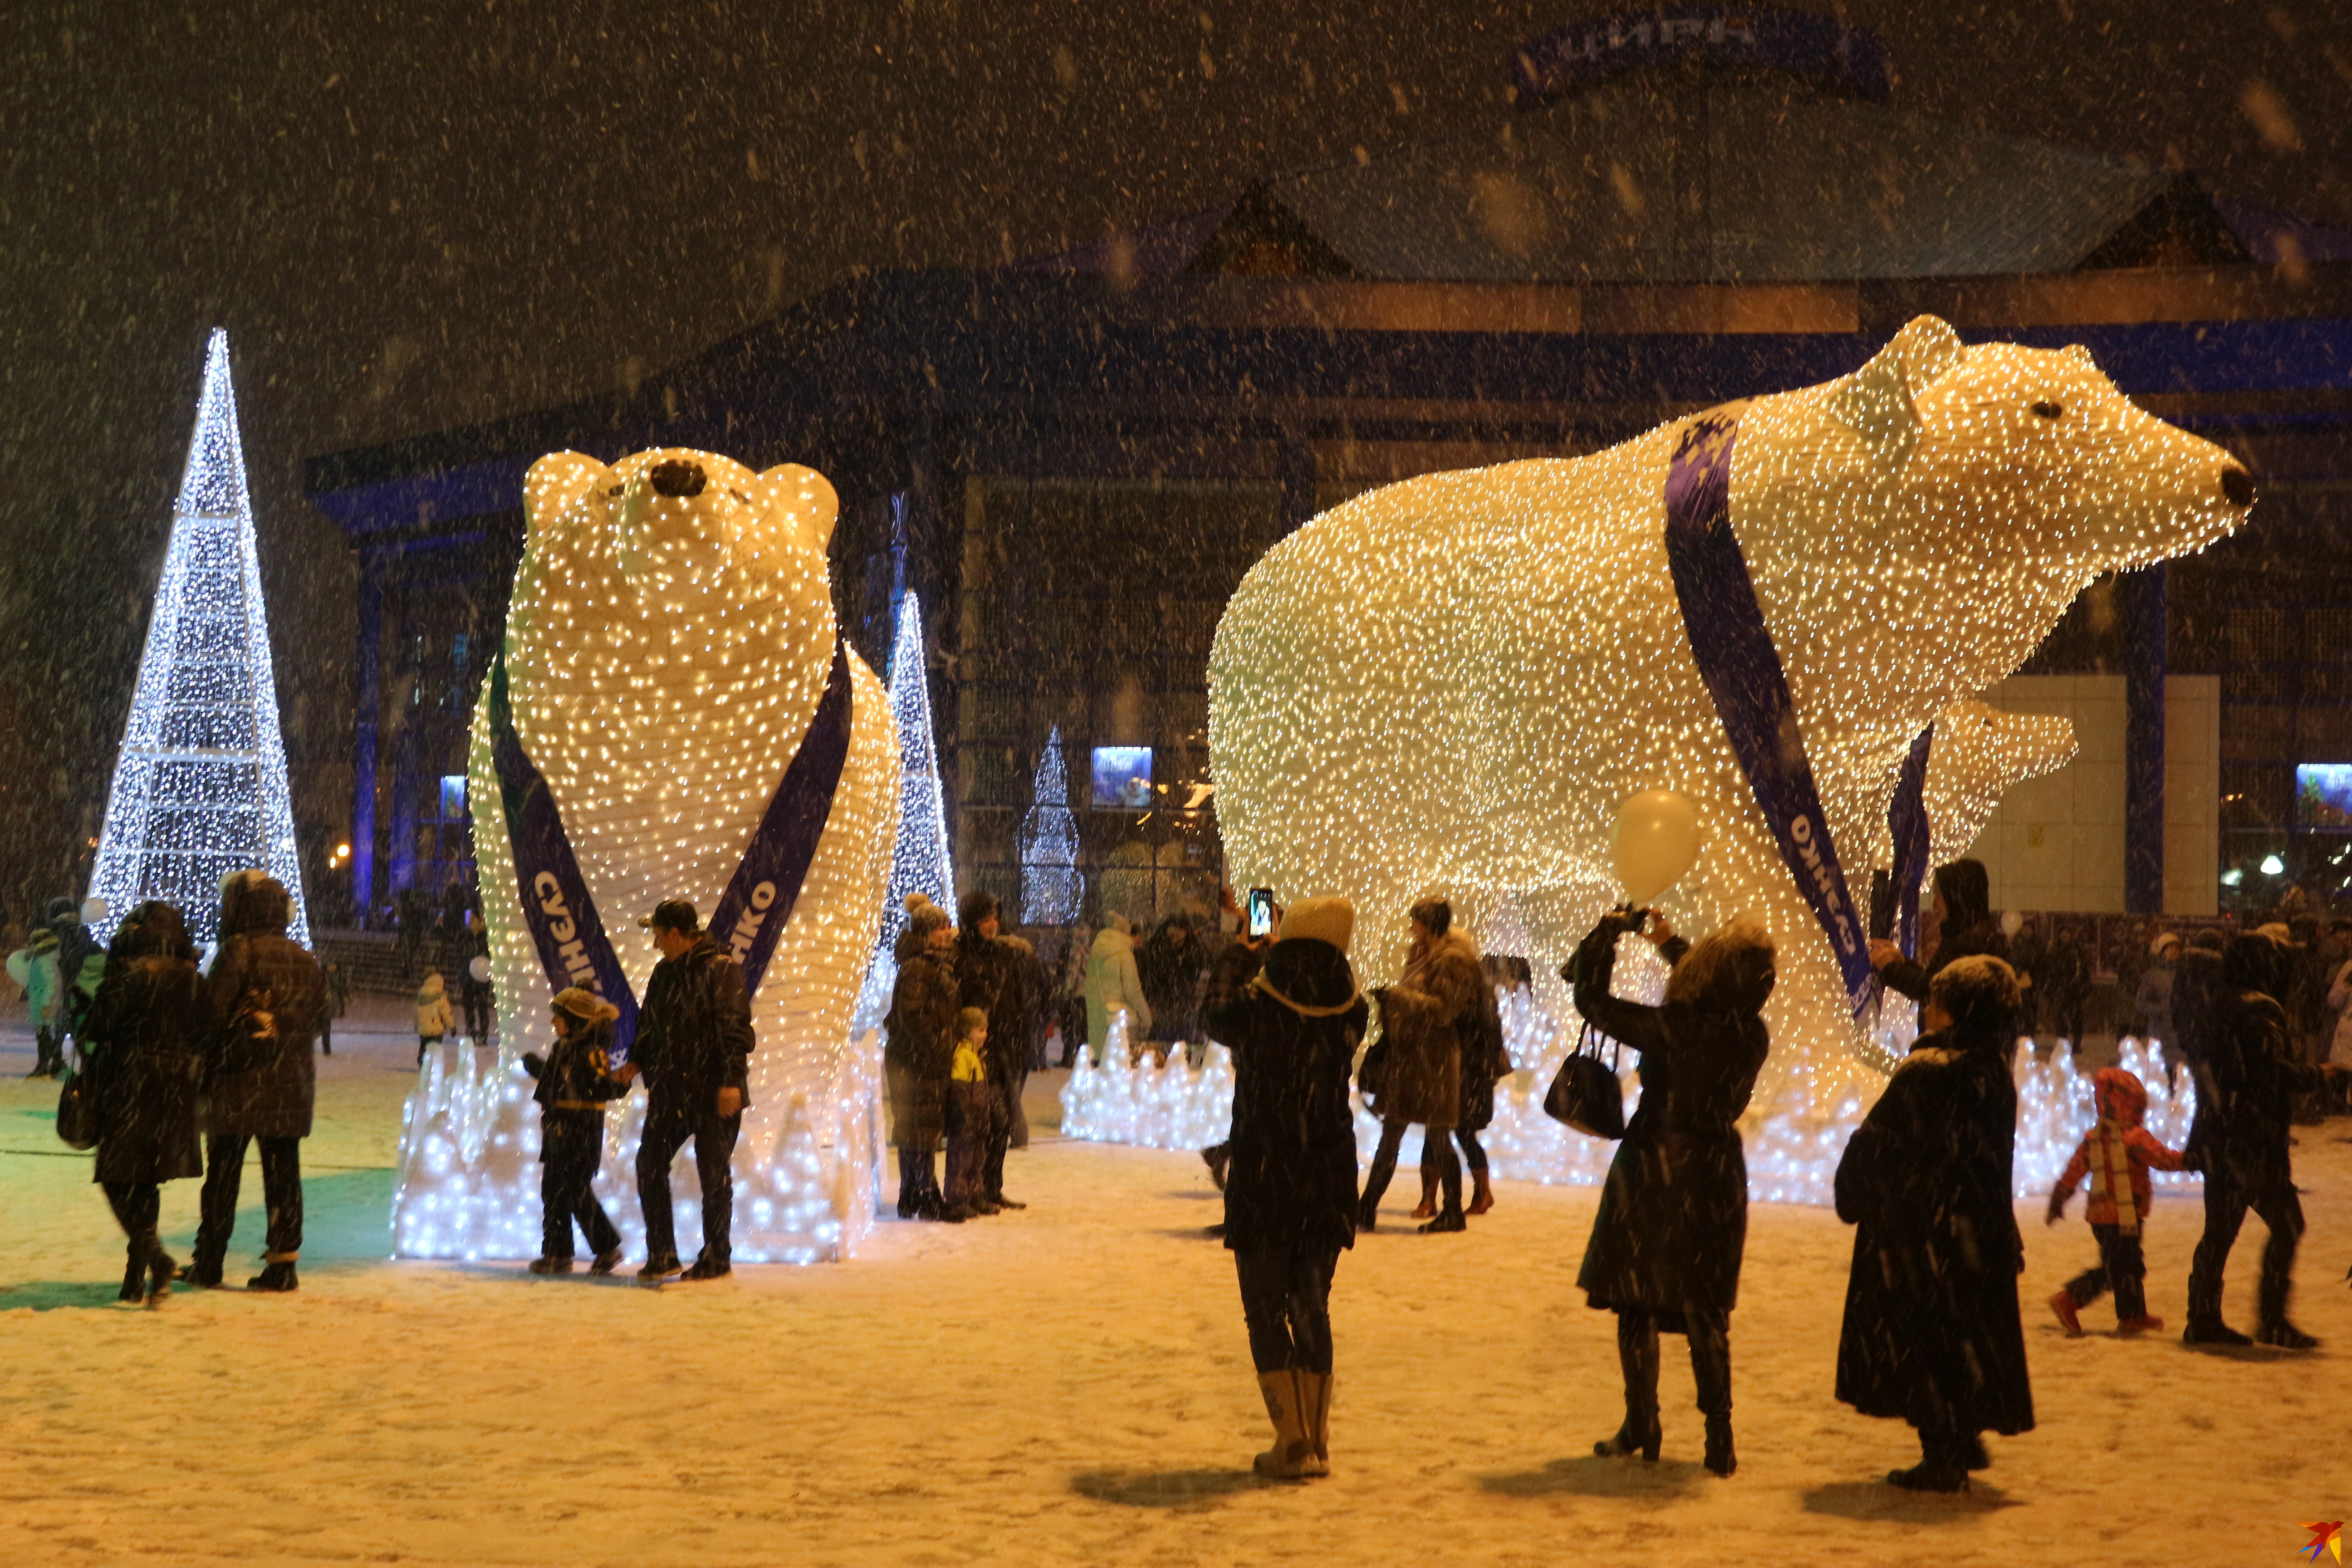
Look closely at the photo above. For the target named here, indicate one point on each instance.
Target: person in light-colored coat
(1113, 985)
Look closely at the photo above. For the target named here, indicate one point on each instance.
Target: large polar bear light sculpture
(1450, 684)
(669, 639)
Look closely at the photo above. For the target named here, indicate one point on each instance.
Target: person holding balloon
(1667, 1240)
(1672, 1228)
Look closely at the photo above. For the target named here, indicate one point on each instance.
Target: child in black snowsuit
(575, 1080)
(970, 1106)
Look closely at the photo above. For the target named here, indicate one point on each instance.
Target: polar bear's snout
(677, 480)
(2237, 486)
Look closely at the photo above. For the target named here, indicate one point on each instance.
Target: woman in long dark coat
(145, 1031)
(1290, 1192)
(1931, 1333)
(918, 1054)
(1672, 1223)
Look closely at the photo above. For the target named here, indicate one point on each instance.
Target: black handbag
(1585, 1094)
(77, 1111)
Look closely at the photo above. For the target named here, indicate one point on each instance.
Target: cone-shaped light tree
(919, 862)
(200, 785)
(1050, 889)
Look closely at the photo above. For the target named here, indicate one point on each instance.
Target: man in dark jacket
(693, 1047)
(2248, 1074)
(1966, 928)
(264, 1002)
(993, 975)
(1932, 1334)
(1290, 1192)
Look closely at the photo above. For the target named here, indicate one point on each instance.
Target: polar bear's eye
(2048, 410)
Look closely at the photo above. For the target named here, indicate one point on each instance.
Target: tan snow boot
(1293, 1456)
(1315, 1415)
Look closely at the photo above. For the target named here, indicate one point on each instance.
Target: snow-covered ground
(1068, 1384)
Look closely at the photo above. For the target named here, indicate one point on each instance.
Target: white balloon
(1655, 843)
(2012, 922)
(480, 968)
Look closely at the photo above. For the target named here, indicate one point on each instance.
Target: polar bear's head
(1925, 521)
(671, 629)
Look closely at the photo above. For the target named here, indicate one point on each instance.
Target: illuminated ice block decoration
(1449, 685)
(200, 783)
(665, 649)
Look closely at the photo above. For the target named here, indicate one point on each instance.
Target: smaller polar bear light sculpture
(669, 648)
(1450, 684)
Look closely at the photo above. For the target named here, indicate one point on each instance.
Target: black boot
(2205, 1324)
(1637, 1359)
(134, 1274)
(160, 1269)
(911, 1190)
(1720, 1456)
(1942, 1465)
(2274, 1330)
(275, 1277)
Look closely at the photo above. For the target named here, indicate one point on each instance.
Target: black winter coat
(1293, 1027)
(146, 1034)
(918, 1051)
(1931, 1333)
(694, 1032)
(2248, 1074)
(1980, 938)
(993, 974)
(576, 1074)
(1672, 1228)
(267, 1096)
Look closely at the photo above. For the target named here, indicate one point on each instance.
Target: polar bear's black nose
(675, 479)
(2237, 486)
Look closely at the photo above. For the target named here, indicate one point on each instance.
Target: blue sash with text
(1743, 673)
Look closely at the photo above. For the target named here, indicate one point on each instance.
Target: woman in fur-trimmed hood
(1673, 1223)
(1931, 1333)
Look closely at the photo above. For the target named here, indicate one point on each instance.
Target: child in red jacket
(2117, 1154)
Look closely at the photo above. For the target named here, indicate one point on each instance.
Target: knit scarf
(2111, 1166)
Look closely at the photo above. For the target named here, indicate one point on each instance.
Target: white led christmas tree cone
(200, 786)
(919, 862)
(1051, 890)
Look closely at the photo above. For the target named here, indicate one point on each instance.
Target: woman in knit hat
(1293, 1026)
(918, 1053)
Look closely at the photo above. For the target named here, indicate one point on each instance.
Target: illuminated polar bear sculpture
(1450, 684)
(670, 633)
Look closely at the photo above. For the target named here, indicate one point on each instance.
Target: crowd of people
(188, 1069)
(1932, 1333)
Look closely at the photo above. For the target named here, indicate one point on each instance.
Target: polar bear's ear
(804, 499)
(1878, 400)
(555, 482)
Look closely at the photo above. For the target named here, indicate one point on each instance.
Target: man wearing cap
(693, 1046)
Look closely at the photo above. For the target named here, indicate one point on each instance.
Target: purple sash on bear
(1736, 657)
(573, 946)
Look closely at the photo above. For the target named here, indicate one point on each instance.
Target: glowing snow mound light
(919, 860)
(1051, 890)
(665, 655)
(200, 784)
(470, 1173)
(1792, 1158)
(1448, 685)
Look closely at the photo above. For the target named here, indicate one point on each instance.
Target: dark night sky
(409, 218)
